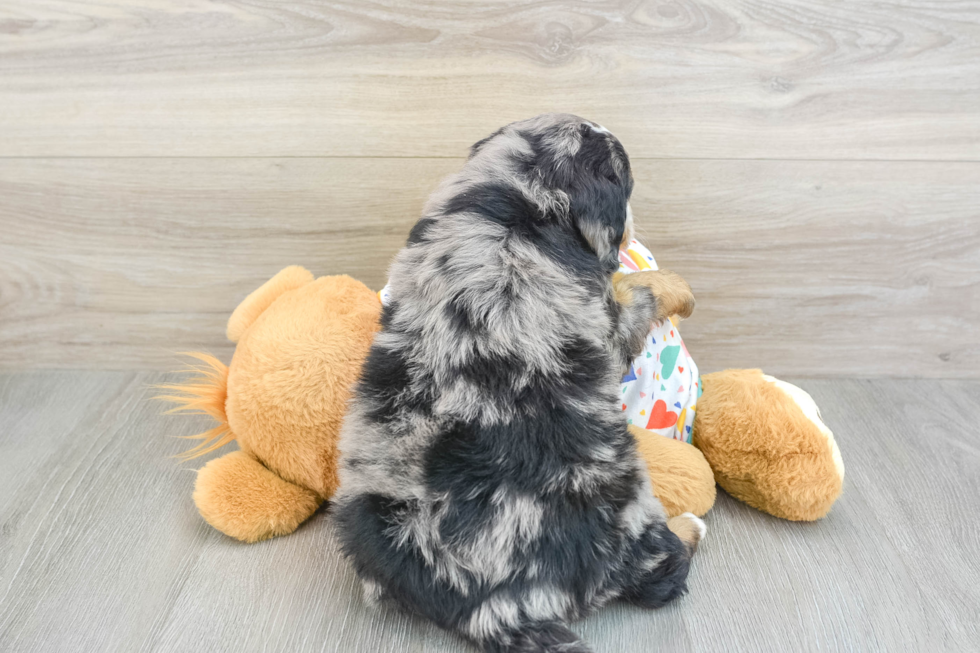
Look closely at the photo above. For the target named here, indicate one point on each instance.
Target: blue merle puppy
(488, 481)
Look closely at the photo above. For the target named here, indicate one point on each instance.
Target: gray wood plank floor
(101, 548)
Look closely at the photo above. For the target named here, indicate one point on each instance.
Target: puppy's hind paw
(702, 527)
(689, 528)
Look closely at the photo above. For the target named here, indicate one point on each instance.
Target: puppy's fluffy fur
(488, 480)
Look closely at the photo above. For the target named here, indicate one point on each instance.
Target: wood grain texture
(789, 79)
(831, 269)
(812, 268)
(101, 548)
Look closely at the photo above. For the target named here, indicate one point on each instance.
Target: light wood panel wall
(825, 267)
(673, 78)
(813, 168)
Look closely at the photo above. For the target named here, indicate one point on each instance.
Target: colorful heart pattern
(668, 358)
(662, 386)
(660, 417)
(630, 376)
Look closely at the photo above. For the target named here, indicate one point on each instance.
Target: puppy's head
(573, 167)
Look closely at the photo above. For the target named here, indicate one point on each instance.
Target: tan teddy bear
(300, 345)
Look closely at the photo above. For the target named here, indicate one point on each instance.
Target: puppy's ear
(599, 193)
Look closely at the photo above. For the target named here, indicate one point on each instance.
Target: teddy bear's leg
(681, 477)
(240, 497)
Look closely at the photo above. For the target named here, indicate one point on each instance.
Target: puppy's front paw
(675, 296)
(672, 294)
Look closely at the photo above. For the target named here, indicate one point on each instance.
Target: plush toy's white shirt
(661, 388)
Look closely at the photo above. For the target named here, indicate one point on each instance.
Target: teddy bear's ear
(260, 299)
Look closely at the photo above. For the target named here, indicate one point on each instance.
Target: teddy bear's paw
(767, 445)
(810, 410)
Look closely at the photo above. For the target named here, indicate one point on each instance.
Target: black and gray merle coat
(488, 480)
